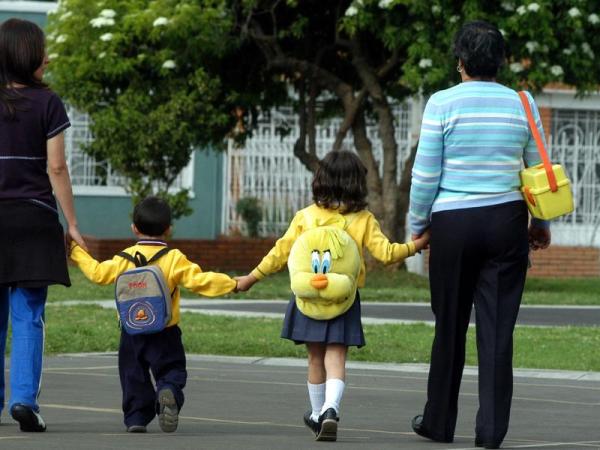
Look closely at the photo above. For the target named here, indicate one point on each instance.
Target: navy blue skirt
(345, 329)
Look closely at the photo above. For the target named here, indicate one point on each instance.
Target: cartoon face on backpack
(324, 263)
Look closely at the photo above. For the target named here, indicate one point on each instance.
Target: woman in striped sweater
(465, 187)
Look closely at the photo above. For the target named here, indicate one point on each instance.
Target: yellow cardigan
(178, 270)
(363, 227)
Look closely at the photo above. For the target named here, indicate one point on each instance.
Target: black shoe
(480, 443)
(136, 429)
(328, 421)
(315, 427)
(168, 412)
(417, 426)
(28, 419)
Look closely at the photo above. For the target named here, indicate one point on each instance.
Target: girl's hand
(245, 282)
(422, 241)
(74, 234)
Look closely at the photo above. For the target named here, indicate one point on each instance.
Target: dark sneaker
(28, 419)
(329, 425)
(136, 429)
(315, 427)
(168, 413)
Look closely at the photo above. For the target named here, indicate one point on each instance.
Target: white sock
(316, 392)
(334, 390)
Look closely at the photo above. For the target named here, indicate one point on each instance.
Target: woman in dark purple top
(32, 251)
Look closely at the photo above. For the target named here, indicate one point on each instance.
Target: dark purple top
(41, 115)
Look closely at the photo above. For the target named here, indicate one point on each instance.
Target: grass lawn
(90, 329)
(399, 286)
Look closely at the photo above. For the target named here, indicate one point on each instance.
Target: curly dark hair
(341, 182)
(480, 46)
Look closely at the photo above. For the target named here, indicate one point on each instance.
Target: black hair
(340, 181)
(152, 216)
(480, 46)
(22, 52)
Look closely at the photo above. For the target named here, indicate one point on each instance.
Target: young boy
(161, 353)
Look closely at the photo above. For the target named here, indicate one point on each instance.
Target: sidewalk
(257, 404)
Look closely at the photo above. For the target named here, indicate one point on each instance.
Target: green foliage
(549, 41)
(161, 77)
(88, 328)
(146, 73)
(382, 286)
(251, 211)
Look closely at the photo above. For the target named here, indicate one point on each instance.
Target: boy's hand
(245, 282)
(422, 241)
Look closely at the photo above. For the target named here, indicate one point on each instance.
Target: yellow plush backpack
(324, 264)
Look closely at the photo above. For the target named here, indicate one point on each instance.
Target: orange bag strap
(539, 143)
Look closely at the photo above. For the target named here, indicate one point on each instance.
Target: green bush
(251, 211)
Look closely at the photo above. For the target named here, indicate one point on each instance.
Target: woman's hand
(539, 238)
(74, 234)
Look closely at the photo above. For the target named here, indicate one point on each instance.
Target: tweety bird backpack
(324, 264)
(142, 295)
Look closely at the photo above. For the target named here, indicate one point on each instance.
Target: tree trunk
(364, 148)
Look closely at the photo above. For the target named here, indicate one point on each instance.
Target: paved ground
(382, 312)
(249, 403)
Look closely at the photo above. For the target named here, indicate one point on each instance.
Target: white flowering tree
(365, 54)
(142, 70)
(161, 76)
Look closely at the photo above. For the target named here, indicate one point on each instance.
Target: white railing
(575, 143)
(91, 177)
(266, 167)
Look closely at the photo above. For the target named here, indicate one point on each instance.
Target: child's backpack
(142, 295)
(324, 264)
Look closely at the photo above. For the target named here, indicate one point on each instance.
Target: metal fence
(575, 143)
(266, 168)
(91, 177)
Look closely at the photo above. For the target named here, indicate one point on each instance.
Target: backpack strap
(159, 254)
(140, 260)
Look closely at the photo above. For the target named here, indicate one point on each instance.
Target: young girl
(339, 187)
(33, 172)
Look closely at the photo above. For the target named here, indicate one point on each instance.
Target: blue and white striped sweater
(473, 139)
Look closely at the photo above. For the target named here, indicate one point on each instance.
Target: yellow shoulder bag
(545, 187)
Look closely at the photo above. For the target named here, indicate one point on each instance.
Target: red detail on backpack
(137, 285)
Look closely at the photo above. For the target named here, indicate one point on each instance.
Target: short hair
(340, 181)
(152, 216)
(480, 46)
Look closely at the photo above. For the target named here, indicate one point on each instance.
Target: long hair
(341, 182)
(22, 51)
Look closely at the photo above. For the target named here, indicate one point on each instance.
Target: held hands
(245, 282)
(73, 234)
(421, 241)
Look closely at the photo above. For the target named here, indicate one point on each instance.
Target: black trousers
(478, 256)
(160, 353)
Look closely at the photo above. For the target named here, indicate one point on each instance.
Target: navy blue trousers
(162, 354)
(478, 256)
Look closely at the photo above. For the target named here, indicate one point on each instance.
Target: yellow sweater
(178, 270)
(363, 227)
